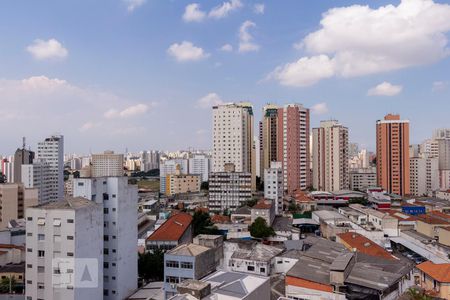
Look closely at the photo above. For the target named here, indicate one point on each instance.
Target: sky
(143, 74)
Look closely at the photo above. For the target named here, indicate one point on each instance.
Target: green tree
(7, 284)
(293, 207)
(415, 294)
(259, 229)
(201, 224)
(151, 266)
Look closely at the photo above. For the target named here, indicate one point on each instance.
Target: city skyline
(128, 77)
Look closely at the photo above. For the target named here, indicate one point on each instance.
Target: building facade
(393, 154)
(51, 151)
(362, 179)
(169, 167)
(330, 157)
(107, 164)
(14, 199)
(424, 175)
(273, 185)
(39, 175)
(200, 164)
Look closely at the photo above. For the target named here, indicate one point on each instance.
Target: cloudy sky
(143, 74)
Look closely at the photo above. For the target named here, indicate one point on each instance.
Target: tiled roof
(301, 196)
(439, 272)
(364, 245)
(429, 219)
(400, 215)
(220, 219)
(440, 215)
(10, 246)
(173, 229)
(263, 204)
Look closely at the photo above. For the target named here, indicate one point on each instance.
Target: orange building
(393, 154)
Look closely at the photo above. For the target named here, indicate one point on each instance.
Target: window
(105, 210)
(40, 285)
(69, 220)
(172, 264)
(70, 254)
(41, 237)
(250, 268)
(262, 270)
(30, 219)
(29, 234)
(57, 222)
(70, 237)
(80, 183)
(41, 221)
(105, 251)
(172, 279)
(106, 238)
(41, 253)
(105, 196)
(29, 250)
(186, 265)
(29, 266)
(105, 265)
(41, 269)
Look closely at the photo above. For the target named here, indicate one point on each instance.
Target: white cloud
(193, 13)
(385, 89)
(89, 125)
(209, 101)
(186, 51)
(319, 108)
(44, 50)
(246, 43)
(133, 4)
(358, 40)
(223, 10)
(226, 48)
(259, 8)
(131, 111)
(439, 86)
(304, 72)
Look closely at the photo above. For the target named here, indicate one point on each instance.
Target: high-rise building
(64, 254)
(233, 138)
(39, 175)
(363, 178)
(268, 137)
(393, 154)
(229, 190)
(424, 175)
(21, 157)
(444, 153)
(273, 185)
(51, 150)
(200, 164)
(107, 164)
(293, 146)
(14, 199)
(182, 183)
(330, 156)
(119, 231)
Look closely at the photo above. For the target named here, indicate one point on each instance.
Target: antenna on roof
(23, 142)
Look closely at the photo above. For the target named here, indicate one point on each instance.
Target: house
(284, 230)
(434, 279)
(354, 215)
(356, 242)
(429, 225)
(242, 215)
(173, 232)
(304, 201)
(405, 221)
(264, 209)
(378, 220)
(186, 261)
(444, 236)
(212, 241)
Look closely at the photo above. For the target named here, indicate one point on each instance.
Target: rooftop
(258, 252)
(430, 219)
(439, 272)
(263, 204)
(364, 245)
(68, 203)
(173, 229)
(188, 250)
(244, 210)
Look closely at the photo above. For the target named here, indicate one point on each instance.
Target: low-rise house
(284, 230)
(223, 285)
(434, 279)
(333, 272)
(11, 254)
(356, 242)
(378, 220)
(304, 202)
(186, 261)
(151, 291)
(212, 241)
(14, 272)
(242, 215)
(173, 232)
(355, 216)
(444, 236)
(405, 221)
(258, 259)
(429, 225)
(263, 209)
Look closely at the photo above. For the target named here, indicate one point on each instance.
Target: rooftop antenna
(23, 143)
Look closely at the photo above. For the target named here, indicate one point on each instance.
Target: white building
(233, 138)
(51, 150)
(107, 164)
(58, 234)
(273, 185)
(362, 179)
(424, 175)
(330, 156)
(169, 167)
(200, 164)
(120, 231)
(39, 175)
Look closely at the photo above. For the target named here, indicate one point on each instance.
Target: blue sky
(142, 74)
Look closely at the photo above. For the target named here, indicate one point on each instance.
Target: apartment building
(424, 175)
(107, 164)
(14, 200)
(64, 241)
(274, 186)
(200, 164)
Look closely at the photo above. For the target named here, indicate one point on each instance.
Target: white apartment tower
(51, 150)
(273, 185)
(169, 167)
(39, 175)
(200, 164)
(64, 239)
(330, 156)
(424, 175)
(119, 202)
(233, 138)
(107, 164)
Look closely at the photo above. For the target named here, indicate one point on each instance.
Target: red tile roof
(440, 215)
(10, 246)
(173, 229)
(429, 219)
(439, 272)
(301, 196)
(220, 219)
(364, 245)
(263, 204)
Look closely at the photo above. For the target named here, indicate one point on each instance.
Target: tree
(7, 284)
(2, 178)
(201, 224)
(151, 266)
(415, 294)
(259, 229)
(293, 207)
(204, 185)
